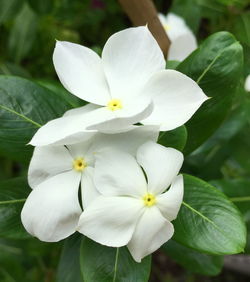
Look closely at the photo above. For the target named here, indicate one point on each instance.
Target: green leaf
(57, 88)
(41, 6)
(193, 260)
(208, 221)
(12, 197)
(24, 106)
(9, 9)
(216, 66)
(238, 190)
(69, 264)
(101, 263)
(174, 138)
(23, 34)
(8, 68)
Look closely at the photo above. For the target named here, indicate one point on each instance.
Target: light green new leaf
(24, 107)
(217, 67)
(192, 260)
(208, 221)
(13, 193)
(101, 263)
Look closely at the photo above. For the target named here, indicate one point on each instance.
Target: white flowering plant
(121, 159)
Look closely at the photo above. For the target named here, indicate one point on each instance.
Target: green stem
(116, 264)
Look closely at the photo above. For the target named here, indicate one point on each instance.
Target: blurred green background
(28, 30)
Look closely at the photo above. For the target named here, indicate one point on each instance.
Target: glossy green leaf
(238, 190)
(192, 260)
(24, 107)
(216, 66)
(9, 9)
(174, 138)
(101, 263)
(13, 193)
(208, 221)
(23, 34)
(58, 89)
(8, 68)
(69, 264)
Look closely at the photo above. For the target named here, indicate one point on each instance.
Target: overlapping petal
(130, 57)
(152, 230)
(247, 83)
(176, 98)
(118, 174)
(111, 220)
(46, 162)
(169, 202)
(52, 210)
(80, 71)
(88, 190)
(161, 165)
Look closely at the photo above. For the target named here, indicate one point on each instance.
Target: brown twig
(143, 12)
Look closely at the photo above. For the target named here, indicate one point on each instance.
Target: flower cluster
(93, 170)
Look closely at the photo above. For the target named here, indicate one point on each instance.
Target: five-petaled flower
(52, 209)
(129, 84)
(183, 41)
(131, 211)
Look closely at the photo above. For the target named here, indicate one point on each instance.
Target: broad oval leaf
(208, 221)
(239, 192)
(175, 138)
(13, 194)
(69, 264)
(101, 263)
(24, 107)
(216, 66)
(192, 260)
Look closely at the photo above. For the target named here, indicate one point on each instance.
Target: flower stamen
(149, 200)
(79, 164)
(114, 104)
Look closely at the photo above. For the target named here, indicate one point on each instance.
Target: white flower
(247, 83)
(126, 86)
(52, 209)
(130, 210)
(183, 41)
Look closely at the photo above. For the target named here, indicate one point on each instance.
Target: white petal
(176, 98)
(81, 110)
(152, 230)
(247, 83)
(52, 210)
(88, 189)
(176, 26)
(46, 162)
(130, 57)
(160, 164)
(169, 202)
(65, 130)
(108, 121)
(117, 173)
(110, 220)
(80, 71)
(128, 141)
(182, 47)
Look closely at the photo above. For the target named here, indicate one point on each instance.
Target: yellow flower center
(167, 27)
(149, 200)
(114, 104)
(79, 164)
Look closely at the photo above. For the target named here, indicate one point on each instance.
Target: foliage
(215, 213)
